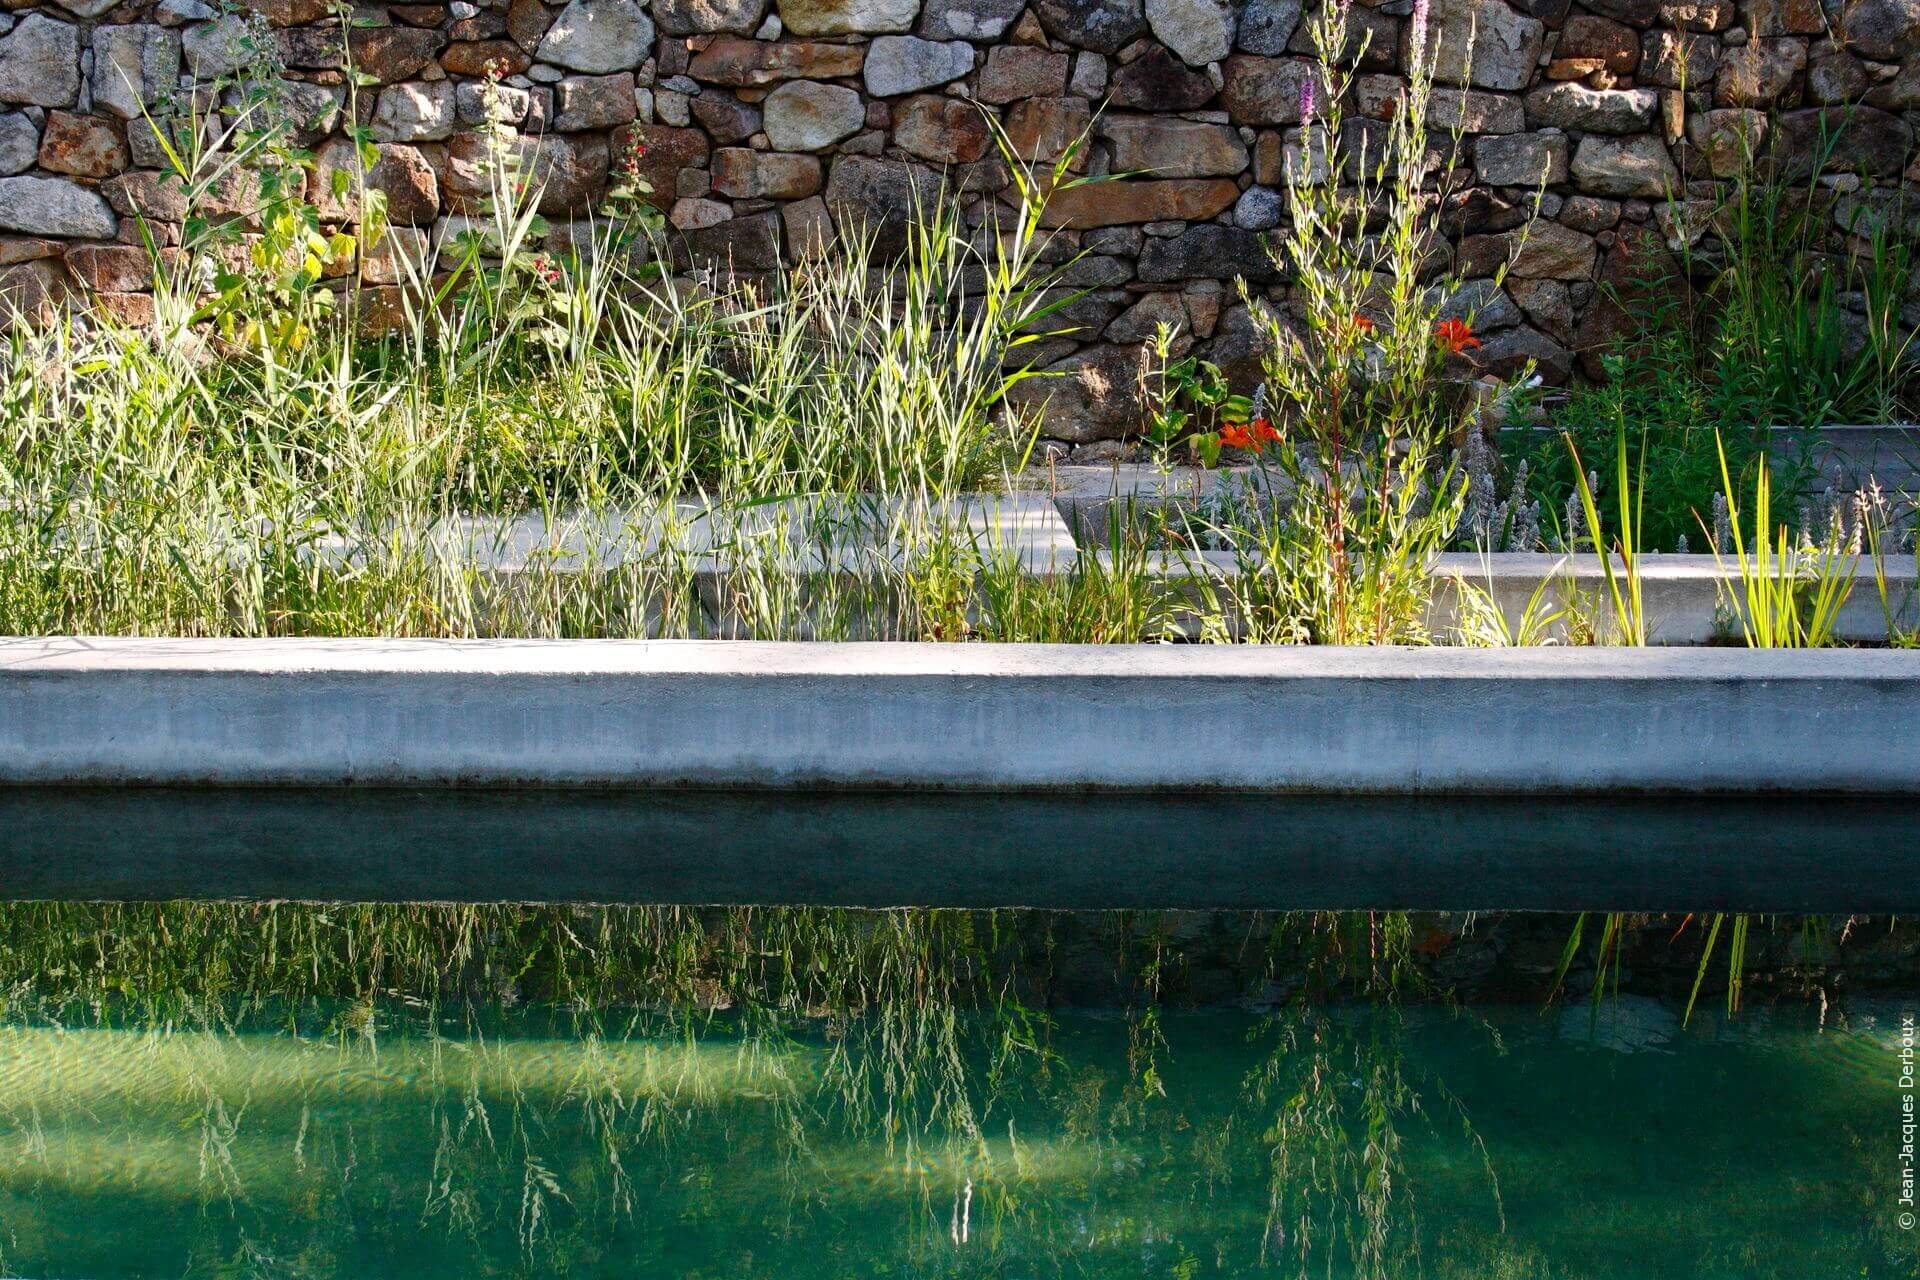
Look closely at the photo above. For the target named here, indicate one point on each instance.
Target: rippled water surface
(390, 1140)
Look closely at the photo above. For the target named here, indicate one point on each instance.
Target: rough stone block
(84, 146)
(54, 207)
(402, 173)
(599, 37)
(908, 64)
(1266, 90)
(1017, 71)
(1166, 147)
(981, 21)
(1485, 43)
(746, 63)
(110, 268)
(1158, 81)
(418, 111)
(593, 102)
(702, 17)
(134, 67)
(1209, 252)
(1041, 129)
(1541, 251)
(1576, 107)
(805, 115)
(742, 174)
(880, 198)
(848, 17)
(1632, 166)
(941, 129)
(1104, 26)
(1521, 159)
(1762, 73)
(40, 62)
(1198, 31)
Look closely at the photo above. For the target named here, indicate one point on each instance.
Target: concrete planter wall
(770, 125)
(847, 554)
(958, 717)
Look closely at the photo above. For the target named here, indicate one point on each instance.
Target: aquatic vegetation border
(736, 714)
(1045, 531)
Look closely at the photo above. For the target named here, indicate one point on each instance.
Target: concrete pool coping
(739, 714)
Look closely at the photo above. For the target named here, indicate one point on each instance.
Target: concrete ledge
(1000, 717)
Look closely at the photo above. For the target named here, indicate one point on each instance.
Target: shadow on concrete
(1240, 852)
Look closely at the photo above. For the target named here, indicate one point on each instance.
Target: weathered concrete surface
(1001, 717)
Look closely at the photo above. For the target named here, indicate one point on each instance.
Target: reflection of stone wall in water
(1230, 957)
(770, 122)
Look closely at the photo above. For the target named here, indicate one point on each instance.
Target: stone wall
(768, 122)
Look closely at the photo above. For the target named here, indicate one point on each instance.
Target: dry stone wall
(770, 123)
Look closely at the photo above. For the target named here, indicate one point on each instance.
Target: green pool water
(393, 1140)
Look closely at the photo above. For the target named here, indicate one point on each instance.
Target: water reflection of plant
(1337, 1092)
(565, 1087)
(902, 1028)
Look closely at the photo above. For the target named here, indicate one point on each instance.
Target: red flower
(1455, 336)
(628, 163)
(1363, 324)
(1251, 437)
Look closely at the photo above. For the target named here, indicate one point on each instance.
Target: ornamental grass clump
(253, 462)
(1361, 400)
(1785, 596)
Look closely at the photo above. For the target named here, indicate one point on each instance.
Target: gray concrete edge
(664, 714)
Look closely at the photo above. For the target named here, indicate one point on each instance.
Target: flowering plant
(1252, 436)
(1357, 410)
(627, 200)
(1454, 335)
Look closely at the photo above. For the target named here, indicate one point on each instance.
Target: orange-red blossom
(1455, 335)
(1252, 436)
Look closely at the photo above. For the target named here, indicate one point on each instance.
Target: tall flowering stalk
(1358, 373)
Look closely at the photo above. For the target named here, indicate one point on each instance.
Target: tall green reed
(1356, 395)
(1784, 596)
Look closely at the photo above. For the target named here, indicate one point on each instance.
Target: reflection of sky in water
(1579, 1142)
